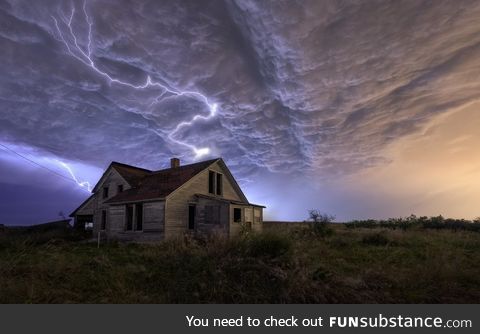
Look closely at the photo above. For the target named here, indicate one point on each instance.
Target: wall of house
(88, 208)
(116, 219)
(251, 216)
(111, 180)
(212, 217)
(176, 214)
(153, 218)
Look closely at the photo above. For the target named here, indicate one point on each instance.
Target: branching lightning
(83, 184)
(84, 55)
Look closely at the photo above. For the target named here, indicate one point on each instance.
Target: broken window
(211, 182)
(219, 184)
(105, 192)
(237, 215)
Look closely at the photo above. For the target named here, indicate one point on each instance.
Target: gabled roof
(160, 184)
(131, 174)
(81, 205)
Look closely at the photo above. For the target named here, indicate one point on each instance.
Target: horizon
(360, 110)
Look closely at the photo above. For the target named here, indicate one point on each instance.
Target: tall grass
(284, 265)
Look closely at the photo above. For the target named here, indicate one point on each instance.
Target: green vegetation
(288, 263)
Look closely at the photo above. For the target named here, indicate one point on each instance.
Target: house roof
(131, 174)
(158, 184)
(81, 206)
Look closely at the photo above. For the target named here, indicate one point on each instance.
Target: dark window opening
(219, 184)
(103, 225)
(191, 217)
(139, 214)
(105, 192)
(129, 218)
(119, 188)
(237, 215)
(211, 182)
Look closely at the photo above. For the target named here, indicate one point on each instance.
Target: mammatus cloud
(321, 87)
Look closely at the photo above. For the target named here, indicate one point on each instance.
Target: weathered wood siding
(257, 219)
(116, 219)
(251, 216)
(212, 217)
(88, 208)
(153, 216)
(176, 214)
(111, 180)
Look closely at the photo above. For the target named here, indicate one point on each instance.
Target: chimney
(174, 162)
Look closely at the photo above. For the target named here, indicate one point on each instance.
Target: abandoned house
(132, 203)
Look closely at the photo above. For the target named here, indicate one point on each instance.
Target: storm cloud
(313, 89)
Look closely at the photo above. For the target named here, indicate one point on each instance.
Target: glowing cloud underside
(84, 55)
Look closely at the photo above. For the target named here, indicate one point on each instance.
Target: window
(211, 182)
(237, 215)
(119, 188)
(105, 192)
(103, 226)
(139, 214)
(129, 218)
(191, 216)
(215, 183)
(219, 184)
(212, 214)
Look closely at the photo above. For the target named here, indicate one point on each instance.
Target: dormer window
(105, 192)
(119, 188)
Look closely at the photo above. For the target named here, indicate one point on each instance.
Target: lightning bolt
(84, 55)
(84, 184)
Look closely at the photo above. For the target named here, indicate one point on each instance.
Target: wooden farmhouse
(136, 204)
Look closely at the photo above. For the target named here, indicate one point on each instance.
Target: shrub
(320, 221)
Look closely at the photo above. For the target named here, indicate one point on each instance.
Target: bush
(437, 222)
(320, 221)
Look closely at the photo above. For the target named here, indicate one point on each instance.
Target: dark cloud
(317, 86)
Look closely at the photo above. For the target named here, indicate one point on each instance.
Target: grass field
(286, 264)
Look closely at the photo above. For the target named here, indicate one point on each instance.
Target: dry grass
(284, 265)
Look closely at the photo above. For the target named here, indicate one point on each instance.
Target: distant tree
(320, 221)
(477, 220)
(319, 217)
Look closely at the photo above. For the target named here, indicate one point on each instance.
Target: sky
(361, 109)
